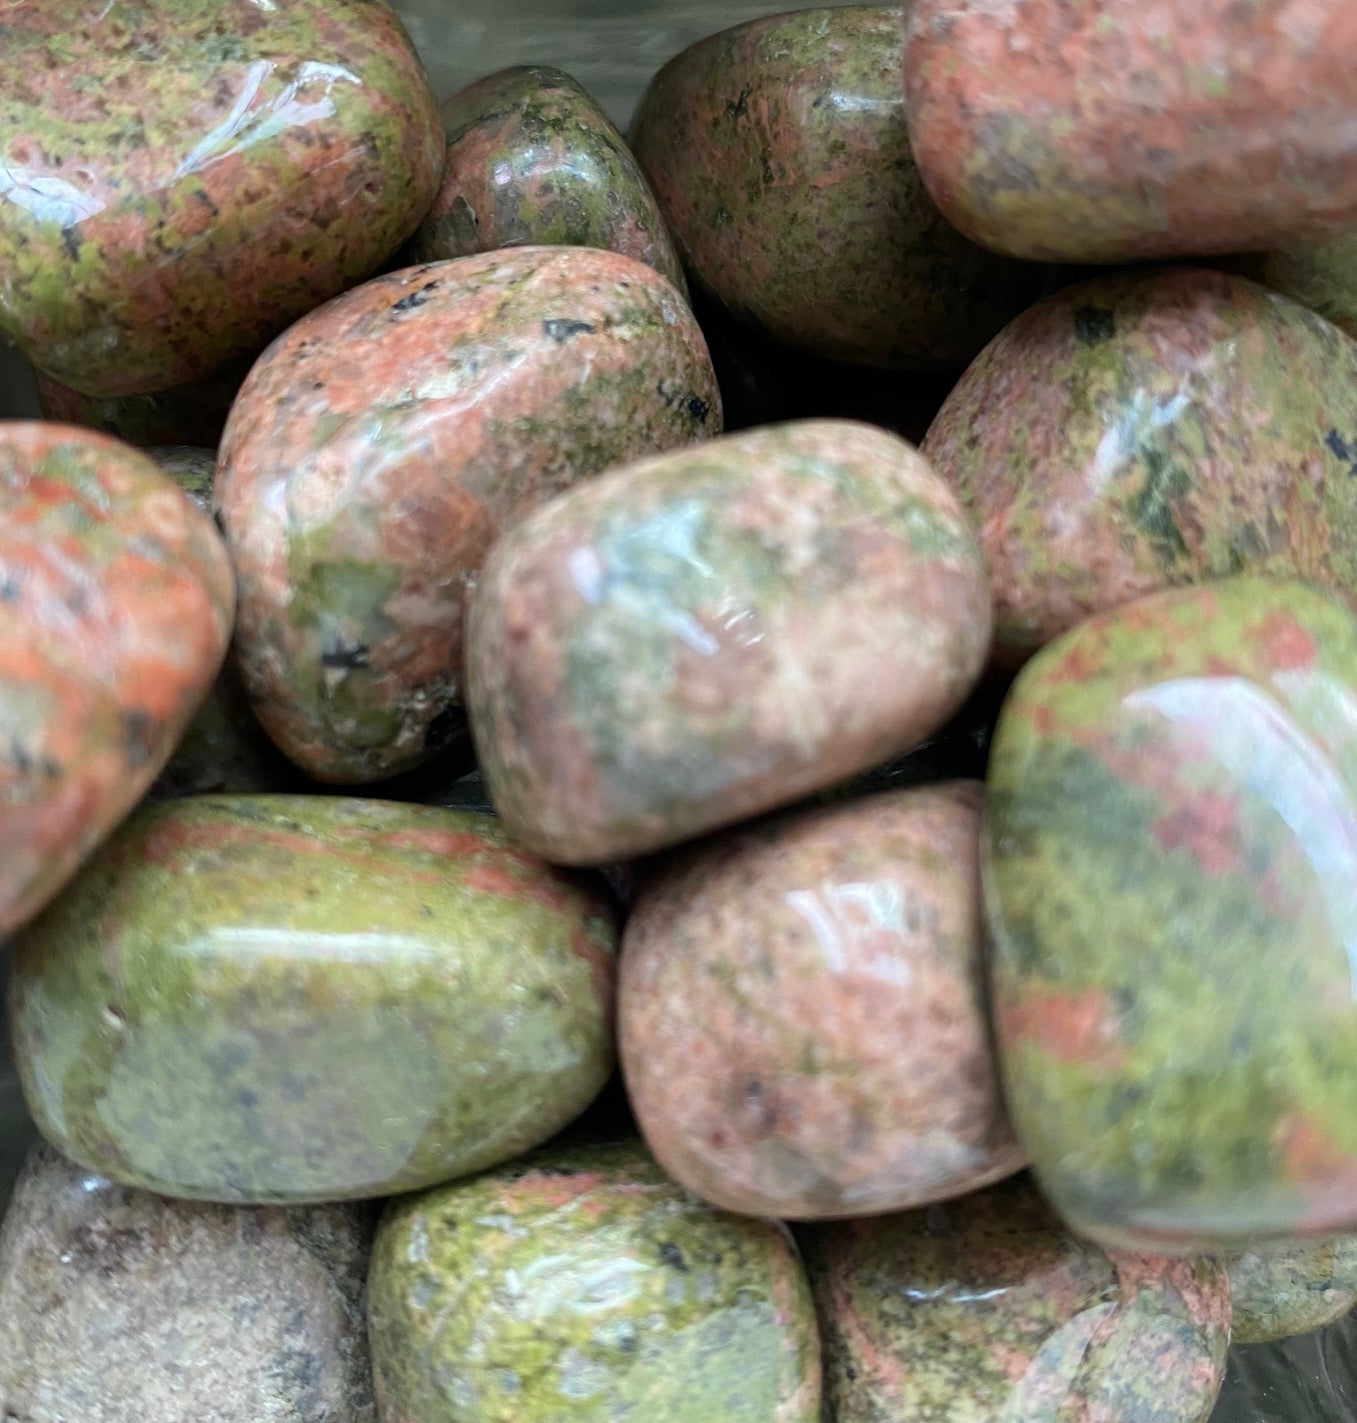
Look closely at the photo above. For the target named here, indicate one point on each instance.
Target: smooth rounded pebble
(381, 446)
(181, 180)
(1134, 129)
(117, 600)
(282, 999)
(1291, 1288)
(118, 1306)
(779, 152)
(1171, 855)
(533, 160)
(717, 632)
(1320, 275)
(804, 1029)
(1137, 432)
(581, 1286)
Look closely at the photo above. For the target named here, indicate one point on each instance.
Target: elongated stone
(780, 154)
(381, 446)
(117, 600)
(182, 180)
(123, 1307)
(1291, 1289)
(716, 632)
(803, 1020)
(988, 1308)
(1138, 432)
(1136, 128)
(295, 998)
(1172, 850)
(533, 160)
(581, 1286)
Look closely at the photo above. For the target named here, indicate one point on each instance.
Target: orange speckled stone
(803, 1020)
(380, 447)
(1078, 132)
(117, 600)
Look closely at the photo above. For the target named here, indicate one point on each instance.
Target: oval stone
(780, 155)
(1291, 1289)
(716, 632)
(1320, 275)
(1083, 134)
(292, 998)
(533, 160)
(183, 180)
(988, 1308)
(583, 1287)
(804, 1029)
(379, 448)
(117, 599)
(124, 1307)
(1137, 432)
(1172, 855)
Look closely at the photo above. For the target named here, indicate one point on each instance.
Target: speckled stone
(1141, 431)
(118, 1306)
(191, 415)
(986, 1308)
(803, 1019)
(181, 180)
(532, 159)
(717, 632)
(1172, 855)
(380, 447)
(1320, 275)
(117, 599)
(583, 1287)
(780, 155)
(1136, 128)
(1291, 1289)
(290, 998)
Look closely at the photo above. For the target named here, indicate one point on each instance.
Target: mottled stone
(293, 998)
(1141, 431)
(584, 1287)
(780, 155)
(380, 447)
(118, 1306)
(1291, 1289)
(717, 632)
(1320, 275)
(182, 180)
(1172, 855)
(803, 1019)
(533, 160)
(987, 1308)
(117, 599)
(192, 414)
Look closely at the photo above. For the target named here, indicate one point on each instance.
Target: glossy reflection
(987, 1307)
(584, 1287)
(1172, 854)
(803, 1025)
(271, 998)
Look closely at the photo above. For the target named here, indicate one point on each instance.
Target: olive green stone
(1320, 275)
(296, 998)
(584, 1287)
(1291, 1289)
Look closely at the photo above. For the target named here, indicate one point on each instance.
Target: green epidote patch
(1320, 275)
(584, 1287)
(1172, 850)
(1291, 1289)
(292, 998)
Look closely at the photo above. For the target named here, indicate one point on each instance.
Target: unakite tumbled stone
(987, 1308)
(1172, 856)
(1291, 1289)
(1320, 275)
(292, 998)
(582, 1286)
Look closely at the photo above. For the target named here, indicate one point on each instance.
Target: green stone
(297, 998)
(1320, 275)
(1291, 1289)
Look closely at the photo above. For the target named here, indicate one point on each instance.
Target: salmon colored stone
(179, 179)
(1135, 432)
(1171, 847)
(803, 1019)
(117, 599)
(716, 632)
(1136, 128)
(381, 446)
